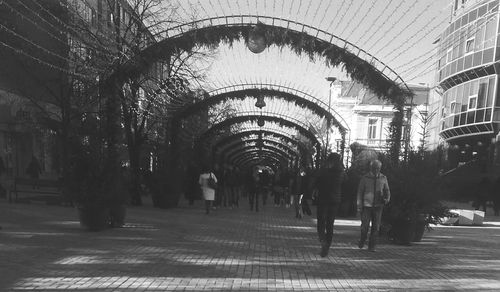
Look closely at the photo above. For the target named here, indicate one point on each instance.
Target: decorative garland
(299, 42)
(267, 159)
(253, 118)
(242, 144)
(266, 133)
(245, 149)
(254, 92)
(282, 144)
(259, 152)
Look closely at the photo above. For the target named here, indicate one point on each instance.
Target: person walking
(255, 189)
(233, 186)
(208, 183)
(328, 183)
(373, 193)
(299, 191)
(3, 169)
(34, 170)
(495, 197)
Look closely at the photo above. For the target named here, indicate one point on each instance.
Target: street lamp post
(331, 80)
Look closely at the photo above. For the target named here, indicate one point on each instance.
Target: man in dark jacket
(328, 183)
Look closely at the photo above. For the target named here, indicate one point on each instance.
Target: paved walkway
(43, 248)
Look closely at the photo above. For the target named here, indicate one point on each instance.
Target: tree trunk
(64, 136)
(112, 162)
(134, 151)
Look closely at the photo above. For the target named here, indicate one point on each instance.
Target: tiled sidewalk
(42, 248)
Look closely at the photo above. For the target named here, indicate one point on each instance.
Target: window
(489, 38)
(481, 96)
(77, 49)
(372, 129)
(469, 46)
(453, 107)
(86, 12)
(472, 102)
(449, 55)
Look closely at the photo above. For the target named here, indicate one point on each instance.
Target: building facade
(369, 117)
(467, 77)
(52, 54)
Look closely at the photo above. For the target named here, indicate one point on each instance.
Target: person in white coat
(207, 190)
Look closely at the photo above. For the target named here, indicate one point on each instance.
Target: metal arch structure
(251, 162)
(256, 150)
(247, 149)
(244, 134)
(213, 31)
(337, 119)
(316, 105)
(254, 116)
(184, 37)
(254, 160)
(275, 142)
(243, 147)
(258, 153)
(275, 134)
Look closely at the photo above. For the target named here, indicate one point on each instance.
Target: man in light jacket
(373, 194)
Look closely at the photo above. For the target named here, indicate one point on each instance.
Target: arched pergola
(244, 134)
(300, 38)
(245, 148)
(272, 91)
(258, 153)
(284, 121)
(226, 150)
(266, 159)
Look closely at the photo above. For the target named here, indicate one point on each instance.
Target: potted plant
(99, 197)
(415, 198)
(86, 187)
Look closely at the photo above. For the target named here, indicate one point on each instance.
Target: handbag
(211, 182)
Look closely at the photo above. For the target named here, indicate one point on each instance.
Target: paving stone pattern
(43, 248)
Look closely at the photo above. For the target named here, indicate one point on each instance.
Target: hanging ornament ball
(256, 41)
(261, 122)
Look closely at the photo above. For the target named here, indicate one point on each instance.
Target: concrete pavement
(43, 248)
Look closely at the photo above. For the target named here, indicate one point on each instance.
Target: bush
(416, 192)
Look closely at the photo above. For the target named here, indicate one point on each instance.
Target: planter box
(478, 217)
(465, 217)
(94, 217)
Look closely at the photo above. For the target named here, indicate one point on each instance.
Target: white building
(369, 117)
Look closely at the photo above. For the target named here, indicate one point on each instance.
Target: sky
(400, 33)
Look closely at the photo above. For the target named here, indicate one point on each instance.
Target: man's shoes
(361, 244)
(372, 249)
(324, 250)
